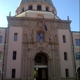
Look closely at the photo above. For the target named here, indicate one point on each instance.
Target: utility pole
(4, 54)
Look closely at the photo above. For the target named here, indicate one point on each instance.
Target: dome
(28, 1)
(34, 6)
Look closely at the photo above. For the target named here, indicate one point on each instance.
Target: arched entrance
(78, 73)
(40, 67)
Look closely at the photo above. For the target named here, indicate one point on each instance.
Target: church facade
(38, 44)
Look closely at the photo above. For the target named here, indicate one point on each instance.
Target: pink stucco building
(39, 45)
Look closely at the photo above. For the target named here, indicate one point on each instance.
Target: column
(28, 67)
(32, 69)
(51, 66)
(52, 72)
(52, 62)
(49, 70)
(26, 71)
(23, 69)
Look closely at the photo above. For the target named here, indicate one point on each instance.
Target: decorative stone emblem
(41, 48)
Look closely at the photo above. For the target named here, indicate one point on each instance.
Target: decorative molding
(30, 22)
(30, 46)
(63, 26)
(41, 48)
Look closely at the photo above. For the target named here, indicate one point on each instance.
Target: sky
(64, 8)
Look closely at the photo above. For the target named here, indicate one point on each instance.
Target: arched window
(78, 56)
(40, 36)
(40, 59)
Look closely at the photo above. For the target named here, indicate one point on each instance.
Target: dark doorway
(41, 70)
(41, 74)
(78, 73)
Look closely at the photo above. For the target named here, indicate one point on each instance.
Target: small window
(52, 10)
(78, 56)
(67, 72)
(0, 72)
(65, 55)
(15, 36)
(14, 55)
(30, 7)
(0, 39)
(13, 73)
(0, 55)
(22, 9)
(40, 36)
(77, 42)
(64, 38)
(38, 7)
(47, 8)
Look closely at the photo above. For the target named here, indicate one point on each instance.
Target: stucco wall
(2, 33)
(65, 47)
(76, 35)
(14, 46)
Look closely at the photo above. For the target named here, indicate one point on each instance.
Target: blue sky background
(64, 8)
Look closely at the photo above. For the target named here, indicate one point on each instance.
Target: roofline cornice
(75, 31)
(37, 19)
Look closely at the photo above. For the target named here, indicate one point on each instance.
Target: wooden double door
(42, 74)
